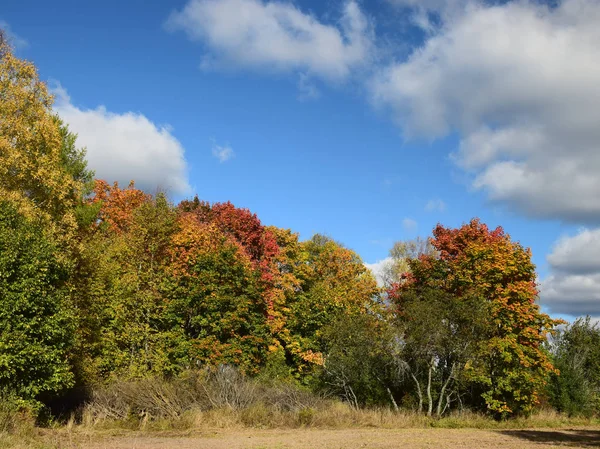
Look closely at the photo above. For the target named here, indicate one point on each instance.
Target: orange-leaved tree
(509, 366)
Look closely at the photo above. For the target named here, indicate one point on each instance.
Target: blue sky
(369, 121)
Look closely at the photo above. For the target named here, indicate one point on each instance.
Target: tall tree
(39, 168)
(120, 282)
(36, 324)
(474, 261)
(214, 298)
(333, 281)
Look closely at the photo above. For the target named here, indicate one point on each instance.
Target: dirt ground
(348, 438)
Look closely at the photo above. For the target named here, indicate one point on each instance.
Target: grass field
(314, 439)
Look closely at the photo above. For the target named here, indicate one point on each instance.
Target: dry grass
(223, 402)
(224, 399)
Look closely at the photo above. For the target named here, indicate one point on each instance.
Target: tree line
(100, 282)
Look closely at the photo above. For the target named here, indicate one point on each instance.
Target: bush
(220, 388)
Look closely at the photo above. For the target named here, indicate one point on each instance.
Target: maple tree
(117, 205)
(510, 366)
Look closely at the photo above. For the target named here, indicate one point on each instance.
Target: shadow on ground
(567, 438)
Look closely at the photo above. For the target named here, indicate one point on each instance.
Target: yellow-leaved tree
(36, 150)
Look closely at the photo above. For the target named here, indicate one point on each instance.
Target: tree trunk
(441, 400)
(418, 392)
(392, 398)
(389, 392)
(429, 399)
(349, 393)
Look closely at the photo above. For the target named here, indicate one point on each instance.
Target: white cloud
(125, 147)
(574, 286)
(435, 205)
(575, 295)
(275, 35)
(222, 153)
(578, 254)
(409, 224)
(519, 83)
(381, 269)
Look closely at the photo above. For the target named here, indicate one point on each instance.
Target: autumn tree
(215, 308)
(40, 170)
(43, 180)
(121, 278)
(332, 281)
(510, 366)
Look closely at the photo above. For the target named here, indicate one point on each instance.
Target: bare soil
(341, 439)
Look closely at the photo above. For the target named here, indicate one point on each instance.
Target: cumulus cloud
(574, 286)
(222, 152)
(578, 254)
(435, 205)
(518, 82)
(276, 35)
(125, 147)
(381, 270)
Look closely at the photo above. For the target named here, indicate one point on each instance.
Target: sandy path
(348, 438)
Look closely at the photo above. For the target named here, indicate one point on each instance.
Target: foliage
(35, 322)
(511, 365)
(332, 281)
(214, 298)
(361, 360)
(440, 334)
(39, 169)
(120, 281)
(576, 353)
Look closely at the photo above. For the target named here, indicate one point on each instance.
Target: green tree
(215, 307)
(361, 360)
(576, 353)
(36, 327)
(440, 334)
